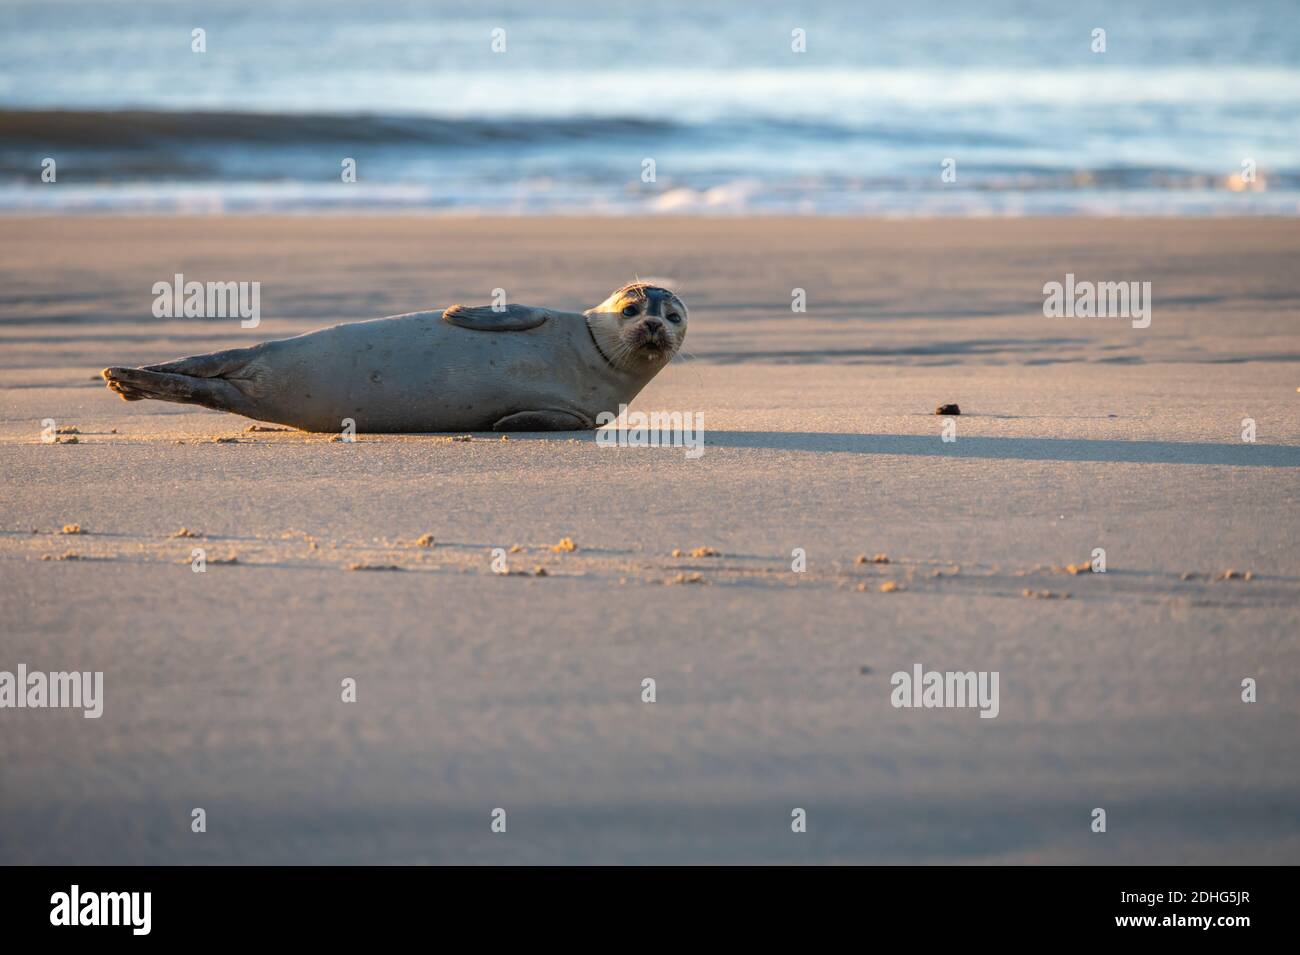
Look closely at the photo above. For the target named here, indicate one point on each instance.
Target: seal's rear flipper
(215, 364)
(133, 384)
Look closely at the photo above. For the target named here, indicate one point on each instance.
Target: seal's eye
(630, 310)
(674, 317)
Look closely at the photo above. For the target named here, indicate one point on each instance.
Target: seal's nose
(654, 330)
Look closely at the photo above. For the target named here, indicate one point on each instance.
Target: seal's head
(638, 325)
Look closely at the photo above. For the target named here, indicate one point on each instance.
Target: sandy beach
(478, 691)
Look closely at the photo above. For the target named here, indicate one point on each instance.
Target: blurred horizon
(735, 121)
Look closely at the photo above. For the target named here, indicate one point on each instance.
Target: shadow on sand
(1014, 449)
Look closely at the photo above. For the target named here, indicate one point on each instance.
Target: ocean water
(1193, 108)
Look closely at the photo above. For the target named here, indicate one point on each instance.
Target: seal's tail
(197, 381)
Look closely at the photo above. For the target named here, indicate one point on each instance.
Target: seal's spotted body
(459, 369)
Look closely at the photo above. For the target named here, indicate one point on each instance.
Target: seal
(517, 368)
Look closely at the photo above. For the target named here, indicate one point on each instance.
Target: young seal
(459, 369)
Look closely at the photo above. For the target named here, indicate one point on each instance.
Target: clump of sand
(684, 578)
(373, 567)
(697, 552)
(71, 430)
(72, 529)
(425, 540)
(888, 587)
(186, 532)
(565, 546)
(877, 559)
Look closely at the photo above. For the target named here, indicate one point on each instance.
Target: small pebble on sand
(72, 529)
(1044, 594)
(566, 545)
(947, 410)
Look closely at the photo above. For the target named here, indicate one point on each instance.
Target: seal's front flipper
(543, 421)
(134, 384)
(484, 318)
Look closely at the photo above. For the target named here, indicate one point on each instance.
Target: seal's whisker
(689, 358)
(624, 352)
